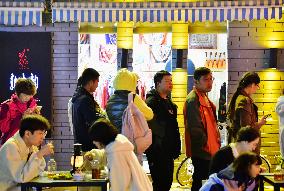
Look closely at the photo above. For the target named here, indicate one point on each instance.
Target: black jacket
(85, 110)
(164, 125)
(115, 107)
(221, 160)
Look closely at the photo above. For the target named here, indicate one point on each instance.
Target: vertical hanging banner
(26, 55)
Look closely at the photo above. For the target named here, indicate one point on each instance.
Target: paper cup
(39, 107)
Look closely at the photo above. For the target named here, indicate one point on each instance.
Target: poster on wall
(99, 51)
(26, 55)
(151, 53)
(203, 41)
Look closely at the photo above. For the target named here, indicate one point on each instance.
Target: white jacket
(279, 108)
(280, 112)
(125, 172)
(14, 167)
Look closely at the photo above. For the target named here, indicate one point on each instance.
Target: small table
(269, 178)
(40, 182)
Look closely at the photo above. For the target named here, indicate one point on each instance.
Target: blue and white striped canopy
(21, 13)
(166, 11)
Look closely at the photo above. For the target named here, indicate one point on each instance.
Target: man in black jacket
(85, 110)
(166, 138)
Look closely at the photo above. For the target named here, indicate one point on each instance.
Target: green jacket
(195, 127)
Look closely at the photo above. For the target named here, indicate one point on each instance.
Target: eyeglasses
(209, 79)
(42, 133)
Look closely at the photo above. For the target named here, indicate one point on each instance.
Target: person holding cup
(125, 171)
(21, 161)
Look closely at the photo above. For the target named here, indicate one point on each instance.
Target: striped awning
(21, 13)
(166, 11)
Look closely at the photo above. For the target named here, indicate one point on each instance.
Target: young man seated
(21, 161)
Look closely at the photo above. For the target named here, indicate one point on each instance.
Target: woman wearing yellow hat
(124, 83)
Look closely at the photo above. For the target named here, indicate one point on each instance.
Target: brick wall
(64, 44)
(248, 50)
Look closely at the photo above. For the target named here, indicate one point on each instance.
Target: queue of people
(233, 167)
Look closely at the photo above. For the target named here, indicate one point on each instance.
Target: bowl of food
(60, 176)
(78, 176)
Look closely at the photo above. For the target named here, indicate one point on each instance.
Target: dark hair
(103, 131)
(247, 79)
(242, 164)
(201, 71)
(248, 134)
(88, 75)
(159, 76)
(33, 123)
(25, 86)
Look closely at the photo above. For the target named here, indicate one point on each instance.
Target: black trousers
(161, 172)
(201, 171)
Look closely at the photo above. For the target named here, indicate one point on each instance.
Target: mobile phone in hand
(268, 115)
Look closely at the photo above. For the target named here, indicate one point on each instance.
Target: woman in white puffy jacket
(280, 112)
(125, 172)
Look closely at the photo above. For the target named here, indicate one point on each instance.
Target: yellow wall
(249, 46)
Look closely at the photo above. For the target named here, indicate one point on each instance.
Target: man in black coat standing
(85, 110)
(166, 138)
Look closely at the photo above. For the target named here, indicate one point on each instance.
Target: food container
(78, 176)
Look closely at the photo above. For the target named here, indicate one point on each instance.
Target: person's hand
(45, 150)
(89, 156)
(232, 185)
(36, 111)
(262, 121)
(262, 169)
(29, 111)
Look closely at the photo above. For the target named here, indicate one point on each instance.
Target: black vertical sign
(28, 55)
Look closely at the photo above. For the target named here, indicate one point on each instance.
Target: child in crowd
(237, 176)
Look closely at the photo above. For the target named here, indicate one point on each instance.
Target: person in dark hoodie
(237, 176)
(166, 137)
(85, 110)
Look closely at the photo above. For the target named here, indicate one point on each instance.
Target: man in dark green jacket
(201, 126)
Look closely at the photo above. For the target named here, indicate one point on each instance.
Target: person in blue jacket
(85, 110)
(236, 177)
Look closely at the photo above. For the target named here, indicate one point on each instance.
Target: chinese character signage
(26, 55)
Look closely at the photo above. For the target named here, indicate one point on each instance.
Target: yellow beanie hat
(125, 80)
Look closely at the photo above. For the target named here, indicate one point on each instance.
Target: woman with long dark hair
(242, 111)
